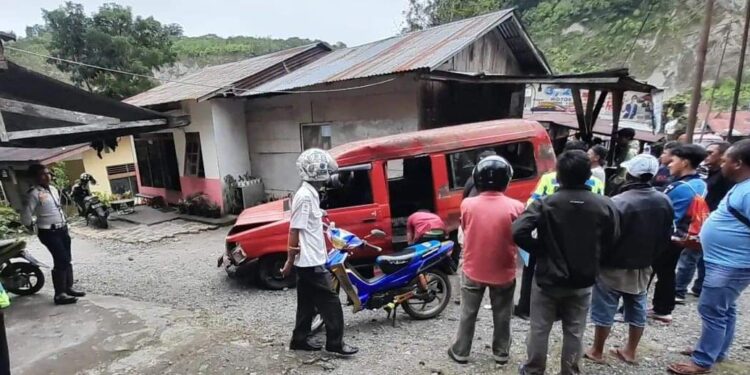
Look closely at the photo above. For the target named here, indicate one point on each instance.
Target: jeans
(315, 294)
(664, 271)
(604, 302)
(572, 305)
(501, 299)
(718, 310)
(689, 261)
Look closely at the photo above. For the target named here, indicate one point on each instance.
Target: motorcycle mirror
(377, 233)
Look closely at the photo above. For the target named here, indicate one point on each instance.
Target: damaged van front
(386, 179)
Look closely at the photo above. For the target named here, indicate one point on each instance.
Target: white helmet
(316, 165)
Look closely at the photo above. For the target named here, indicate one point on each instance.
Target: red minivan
(390, 178)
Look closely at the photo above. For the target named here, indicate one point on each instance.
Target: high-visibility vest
(4, 298)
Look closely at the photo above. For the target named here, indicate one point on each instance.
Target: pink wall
(190, 185)
(209, 186)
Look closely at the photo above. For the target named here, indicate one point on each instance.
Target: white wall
(230, 137)
(274, 124)
(201, 121)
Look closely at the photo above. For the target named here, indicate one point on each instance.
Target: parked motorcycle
(411, 278)
(20, 273)
(94, 209)
(89, 206)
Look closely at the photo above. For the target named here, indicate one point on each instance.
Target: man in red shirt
(489, 260)
(422, 226)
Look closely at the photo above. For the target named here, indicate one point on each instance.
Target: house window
(520, 155)
(317, 136)
(193, 156)
(157, 160)
(122, 178)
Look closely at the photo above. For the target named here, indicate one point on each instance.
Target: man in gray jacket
(645, 227)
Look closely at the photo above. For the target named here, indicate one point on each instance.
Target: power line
(245, 91)
(640, 30)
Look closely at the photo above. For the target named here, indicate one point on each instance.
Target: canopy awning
(597, 84)
(38, 111)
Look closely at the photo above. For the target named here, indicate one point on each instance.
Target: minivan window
(356, 192)
(519, 154)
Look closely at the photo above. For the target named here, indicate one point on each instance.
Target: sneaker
(660, 318)
(679, 300)
(695, 294)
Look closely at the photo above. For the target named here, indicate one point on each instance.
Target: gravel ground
(182, 272)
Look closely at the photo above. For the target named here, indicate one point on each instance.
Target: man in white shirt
(598, 156)
(307, 254)
(43, 202)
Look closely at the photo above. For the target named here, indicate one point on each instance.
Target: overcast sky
(353, 22)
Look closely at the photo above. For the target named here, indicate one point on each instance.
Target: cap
(641, 164)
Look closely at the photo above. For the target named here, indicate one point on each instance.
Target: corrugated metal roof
(38, 155)
(425, 49)
(719, 123)
(216, 77)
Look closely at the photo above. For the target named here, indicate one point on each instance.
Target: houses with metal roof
(254, 117)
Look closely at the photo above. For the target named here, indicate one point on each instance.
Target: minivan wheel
(269, 273)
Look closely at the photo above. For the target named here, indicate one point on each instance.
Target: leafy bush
(10, 222)
(199, 204)
(104, 198)
(59, 177)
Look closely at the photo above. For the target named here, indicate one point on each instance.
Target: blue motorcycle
(410, 278)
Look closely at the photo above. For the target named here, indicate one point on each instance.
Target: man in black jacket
(646, 227)
(567, 233)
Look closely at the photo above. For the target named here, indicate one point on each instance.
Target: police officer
(43, 202)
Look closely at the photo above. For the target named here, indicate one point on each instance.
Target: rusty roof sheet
(425, 49)
(719, 123)
(601, 126)
(214, 78)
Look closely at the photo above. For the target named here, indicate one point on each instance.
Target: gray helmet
(316, 165)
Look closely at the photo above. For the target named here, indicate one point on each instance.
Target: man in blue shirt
(726, 252)
(686, 186)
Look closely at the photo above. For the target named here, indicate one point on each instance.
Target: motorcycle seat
(396, 261)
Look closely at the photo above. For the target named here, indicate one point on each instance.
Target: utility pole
(738, 84)
(700, 62)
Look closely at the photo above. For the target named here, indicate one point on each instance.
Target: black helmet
(492, 173)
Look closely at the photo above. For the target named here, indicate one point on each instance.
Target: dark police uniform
(52, 229)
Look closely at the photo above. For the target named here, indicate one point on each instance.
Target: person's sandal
(688, 368)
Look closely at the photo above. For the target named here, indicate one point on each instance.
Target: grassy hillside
(192, 52)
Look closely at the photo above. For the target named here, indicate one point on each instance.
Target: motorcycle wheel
(102, 221)
(22, 278)
(317, 324)
(437, 297)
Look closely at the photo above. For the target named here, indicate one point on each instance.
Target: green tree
(111, 38)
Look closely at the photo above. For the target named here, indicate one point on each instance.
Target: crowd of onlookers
(590, 256)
